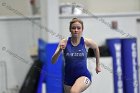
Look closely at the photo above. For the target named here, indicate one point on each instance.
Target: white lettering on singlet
(119, 69)
(75, 54)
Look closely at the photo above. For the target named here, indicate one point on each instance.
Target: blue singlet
(75, 62)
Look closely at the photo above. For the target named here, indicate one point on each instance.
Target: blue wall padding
(41, 50)
(41, 81)
(51, 73)
(54, 77)
(114, 46)
(130, 63)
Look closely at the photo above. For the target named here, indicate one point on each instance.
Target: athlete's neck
(75, 40)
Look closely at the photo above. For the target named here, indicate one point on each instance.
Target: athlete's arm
(93, 45)
(60, 47)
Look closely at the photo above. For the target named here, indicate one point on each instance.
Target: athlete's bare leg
(80, 85)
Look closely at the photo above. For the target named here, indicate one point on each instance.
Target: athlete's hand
(98, 69)
(62, 45)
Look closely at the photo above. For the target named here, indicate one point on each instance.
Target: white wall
(102, 82)
(7, 7)
(17, 35)
(99, 30)
(105, 6)
(24, 7)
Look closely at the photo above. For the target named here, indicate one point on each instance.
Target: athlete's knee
(74, 90)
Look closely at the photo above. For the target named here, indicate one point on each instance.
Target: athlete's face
(76, 29)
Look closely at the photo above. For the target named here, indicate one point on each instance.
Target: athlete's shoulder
(89, 42)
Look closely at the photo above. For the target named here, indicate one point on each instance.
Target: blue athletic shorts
(70, 79)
